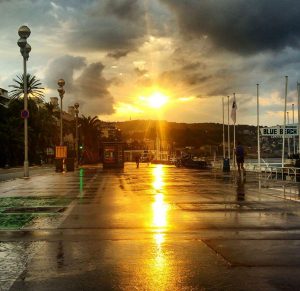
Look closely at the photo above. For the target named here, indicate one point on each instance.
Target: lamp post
(25, 48)
(76, 105)
(61, 91)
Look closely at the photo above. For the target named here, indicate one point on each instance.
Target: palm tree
(90, 134)
(34, 88)
(90, 128)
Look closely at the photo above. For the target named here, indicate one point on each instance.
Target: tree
(91, 132)
(34, 88)
(43, 129)
(42, 124)
(11, 135)
(91, 135)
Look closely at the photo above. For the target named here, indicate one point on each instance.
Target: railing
(287, 173)
(268, 170)
(255, 167)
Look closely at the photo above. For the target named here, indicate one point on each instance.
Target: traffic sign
(24, 113)
(60, 152)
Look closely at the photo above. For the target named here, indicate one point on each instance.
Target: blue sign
(24, 113)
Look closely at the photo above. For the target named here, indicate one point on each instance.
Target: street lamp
(25, 48)
(76, 105)
(61, 91)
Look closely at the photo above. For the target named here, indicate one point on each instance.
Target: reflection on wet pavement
(240, 190)
(156, 228)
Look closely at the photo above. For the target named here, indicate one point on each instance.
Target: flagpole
(284, 121)
(298, 117)
(228, 131)
(289, 144)
(223, 128)
(294, 144)
(233, 155)
(258, 138)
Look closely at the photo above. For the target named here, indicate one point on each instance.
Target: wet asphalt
(152, 228)
(14, 173)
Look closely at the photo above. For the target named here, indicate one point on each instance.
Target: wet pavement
(152, 228)
(14, 173)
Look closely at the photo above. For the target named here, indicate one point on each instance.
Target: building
(3, 97)
(110, 132)
(68, 119)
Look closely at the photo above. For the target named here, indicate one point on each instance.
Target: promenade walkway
(18, 172)
(152, 228)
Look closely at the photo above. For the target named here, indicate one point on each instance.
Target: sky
(159, 59)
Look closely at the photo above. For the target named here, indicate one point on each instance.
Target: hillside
(185, 134)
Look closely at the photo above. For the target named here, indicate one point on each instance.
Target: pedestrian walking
(240, 156)
(137, 161)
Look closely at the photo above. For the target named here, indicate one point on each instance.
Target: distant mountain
(185, 134)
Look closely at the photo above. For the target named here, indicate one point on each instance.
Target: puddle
(34, 210)
(219, 206)
(16, 212)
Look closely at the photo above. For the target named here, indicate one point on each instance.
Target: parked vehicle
(189, 162)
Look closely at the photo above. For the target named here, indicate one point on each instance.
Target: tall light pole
(228, 138)
(284, 121)
(61, 91)
(224, 154)
(258, 138)
(76, 105)
(298, 93)
(25, 48)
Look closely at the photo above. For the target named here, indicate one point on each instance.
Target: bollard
(58, 165)
(70, 164)
(226, 165)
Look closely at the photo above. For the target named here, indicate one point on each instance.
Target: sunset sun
(157, 100)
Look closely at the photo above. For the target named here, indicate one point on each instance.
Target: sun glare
(157, 100)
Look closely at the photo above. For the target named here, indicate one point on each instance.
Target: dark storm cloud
(124, 9)
(63, 67)
(105, 36)
(91, 83)
(140, 72)
(193, 66)
(189, 74)
(115, 26)
(241, 26)
(220, 90)
(90, 88)
(118, 54)
(290, 58)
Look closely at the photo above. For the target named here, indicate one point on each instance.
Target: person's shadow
(240, 190)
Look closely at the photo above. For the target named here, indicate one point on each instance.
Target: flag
(233, 110)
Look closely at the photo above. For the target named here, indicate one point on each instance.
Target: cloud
(117, 54)
(84, 83)
(125, 9)
(243, 27)
(108, 26)
(107, 34)
(140, 72)
(63, 68)
(91, 81)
